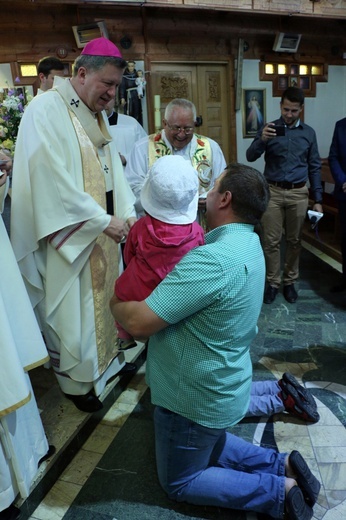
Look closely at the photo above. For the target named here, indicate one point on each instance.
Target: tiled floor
(307, 339)
(63, 492)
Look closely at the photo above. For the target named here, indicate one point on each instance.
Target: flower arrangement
(12, 104)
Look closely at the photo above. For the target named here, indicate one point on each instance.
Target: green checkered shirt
(199, 366)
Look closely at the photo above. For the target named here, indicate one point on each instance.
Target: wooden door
(203, 84)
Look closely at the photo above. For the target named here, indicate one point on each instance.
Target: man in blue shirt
(291, 159)
(201, 320)
(337, 163)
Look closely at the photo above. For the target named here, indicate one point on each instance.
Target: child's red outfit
(151, 251)
(159, 240)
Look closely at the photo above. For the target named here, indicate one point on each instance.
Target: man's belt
(287, 185)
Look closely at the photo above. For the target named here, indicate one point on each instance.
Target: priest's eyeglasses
(186, 129)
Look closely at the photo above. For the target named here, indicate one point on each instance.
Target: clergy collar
(93, 123)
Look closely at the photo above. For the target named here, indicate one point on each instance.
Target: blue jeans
(265, 399)
(212, 467)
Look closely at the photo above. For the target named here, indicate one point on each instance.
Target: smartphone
(280, 130)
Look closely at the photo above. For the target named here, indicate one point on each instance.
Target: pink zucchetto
(101, 47)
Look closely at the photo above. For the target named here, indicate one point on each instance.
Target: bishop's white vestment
(63, 168)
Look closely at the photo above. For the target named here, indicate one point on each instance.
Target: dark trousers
(342, 217)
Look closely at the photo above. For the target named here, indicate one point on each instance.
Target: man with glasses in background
(177, 137)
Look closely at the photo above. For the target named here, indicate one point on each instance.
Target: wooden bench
(329, 202)
(327, 237)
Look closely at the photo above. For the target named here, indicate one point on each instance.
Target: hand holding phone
(280, 130)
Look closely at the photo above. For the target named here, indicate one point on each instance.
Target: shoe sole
(131, 345)
(296, 507)
(304, 405)
(300, 389)
(307, 482)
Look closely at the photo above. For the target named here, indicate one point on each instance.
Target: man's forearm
(255, 150)
(136, 318)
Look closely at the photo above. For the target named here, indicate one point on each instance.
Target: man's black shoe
(50, 453)
(290, 293)
(128, 368)
(270, 294)
(341, 287)
(296, 507)
(86, 403)
(10, 513)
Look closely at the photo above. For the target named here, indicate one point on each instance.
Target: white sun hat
(170, 191)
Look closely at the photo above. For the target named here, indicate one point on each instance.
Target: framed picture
(67, 69)
(282, 82)
(254, 111)
(304, 82)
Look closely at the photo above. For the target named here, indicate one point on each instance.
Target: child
(163, 236)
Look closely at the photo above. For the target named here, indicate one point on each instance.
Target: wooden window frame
(305, 81)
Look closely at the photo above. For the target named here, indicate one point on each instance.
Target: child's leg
(125, 340)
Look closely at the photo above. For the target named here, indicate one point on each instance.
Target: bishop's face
(97, 88)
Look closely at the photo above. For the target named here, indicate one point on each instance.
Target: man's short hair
(250, 191)
(49, 63)
(293, 94)
(181, 103)
(97, 62)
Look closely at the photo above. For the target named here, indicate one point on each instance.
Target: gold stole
(104, 256)
(202, 159)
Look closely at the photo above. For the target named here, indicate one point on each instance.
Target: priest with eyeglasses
(177, 137)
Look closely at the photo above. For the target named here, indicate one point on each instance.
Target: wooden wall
(32, 29)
